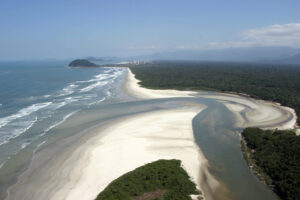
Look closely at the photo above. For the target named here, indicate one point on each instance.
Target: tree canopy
(166, 177)
(279, 83)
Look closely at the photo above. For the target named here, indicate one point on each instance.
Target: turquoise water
(35, 97)
(44, 104)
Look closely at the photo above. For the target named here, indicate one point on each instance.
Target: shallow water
(219, 140)
(214, 131)
(36, 97)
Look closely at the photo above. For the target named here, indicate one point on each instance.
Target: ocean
(48, 109)
(35, 97)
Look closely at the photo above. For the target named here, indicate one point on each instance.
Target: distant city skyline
(66, 29)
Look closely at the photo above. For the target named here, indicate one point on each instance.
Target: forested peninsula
(162, 179)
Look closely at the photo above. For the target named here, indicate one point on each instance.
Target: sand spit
(133, 88)
(252, 112)
(134, 142)
(116, 149)
(249, 112)
(125, 144)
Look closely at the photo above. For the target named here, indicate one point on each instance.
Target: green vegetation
(161, 180)
(275, 156)
(82, 63)
(280, 83)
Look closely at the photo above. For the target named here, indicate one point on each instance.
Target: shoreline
(133, 88)
(137, 139)
(130, 148)
(248, 110)
(130, 145)
(257, 171)
(130, 142)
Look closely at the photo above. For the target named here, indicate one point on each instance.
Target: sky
(62, 29)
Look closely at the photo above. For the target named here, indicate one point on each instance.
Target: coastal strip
(131, 143)
(116, 148)
(124, 144)
(133, 88)
(248, 111)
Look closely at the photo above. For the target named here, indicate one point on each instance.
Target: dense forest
(280, 83)
(277, 154)
(161, 180)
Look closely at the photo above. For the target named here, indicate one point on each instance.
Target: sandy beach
(249, 112)
(166, 134)
(134, 142)
(133, 88)
(252, 112)
(127, 143)
(121, 147)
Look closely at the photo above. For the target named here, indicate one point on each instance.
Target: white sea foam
(23, 112)
(59, 122)
(70, 89)
(1, 164)
(92, 86)
(99, 77)
(96, 78)
(39, 145)
(19, 129)
(101, 100)
(64, 102)
(25, 144)
(102, 79)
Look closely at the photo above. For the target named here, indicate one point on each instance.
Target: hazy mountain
(295, 59)
(107, 58)
(94, 59)
(251, 54)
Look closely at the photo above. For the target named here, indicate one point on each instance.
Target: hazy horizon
(69, 29)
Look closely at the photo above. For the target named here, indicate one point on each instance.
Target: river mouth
(215, 129)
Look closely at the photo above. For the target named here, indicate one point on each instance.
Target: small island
(82, 63)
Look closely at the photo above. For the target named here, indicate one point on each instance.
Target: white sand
(131, 143)
(143, 138)
(136, 141)
(133, 88)
(251, 112)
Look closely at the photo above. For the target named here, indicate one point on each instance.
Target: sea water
(35, 97)
(42, 103)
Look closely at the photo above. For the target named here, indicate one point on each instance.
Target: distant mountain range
(283, 55)
(91, 58)
(295, 59)
(251, 54)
